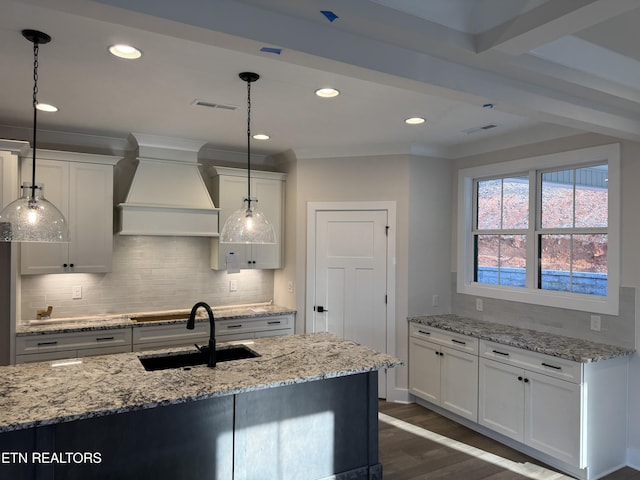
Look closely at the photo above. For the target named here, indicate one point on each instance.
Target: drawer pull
(555, 367)
(500, 353)
(459, 342)
(423, 332)
(104, 339)
(234, 326)
(44, 344)
(274, 322)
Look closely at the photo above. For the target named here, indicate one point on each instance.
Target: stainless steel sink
(192, 358)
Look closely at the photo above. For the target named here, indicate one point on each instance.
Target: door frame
(390, 208)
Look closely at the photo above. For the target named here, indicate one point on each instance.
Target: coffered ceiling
(547, 69)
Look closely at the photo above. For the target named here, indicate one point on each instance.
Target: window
(543, 230)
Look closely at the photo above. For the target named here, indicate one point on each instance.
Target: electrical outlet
(290, 286)
(435, 301)
(76, 292)
(233, 285)
(479, 305)
(595, 322)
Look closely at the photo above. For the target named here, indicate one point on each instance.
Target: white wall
(623, 329)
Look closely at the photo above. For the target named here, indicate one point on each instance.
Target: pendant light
(31, 218)
(249, 224)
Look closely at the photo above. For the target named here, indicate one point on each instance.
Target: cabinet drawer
(532, 361)
(276, 322)
(173, 334)
(73, 341)
(456, 341)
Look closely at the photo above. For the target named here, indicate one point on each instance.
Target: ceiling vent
(489, 126)
(203, 103)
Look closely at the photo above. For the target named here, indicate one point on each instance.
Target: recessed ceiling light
(261, 136)
(327, 92)
(414, 121)
(122, 50)
(45, 107)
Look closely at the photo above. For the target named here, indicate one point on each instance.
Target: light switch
(233, 285)
(76, 292)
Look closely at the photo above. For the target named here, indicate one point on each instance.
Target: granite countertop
(41, 394)
(124, 320)
(582, 351)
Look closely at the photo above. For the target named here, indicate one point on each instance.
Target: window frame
(532, 166)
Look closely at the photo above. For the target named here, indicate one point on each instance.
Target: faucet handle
(201, 349)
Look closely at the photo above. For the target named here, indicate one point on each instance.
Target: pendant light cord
(36, 49)
(249, 144)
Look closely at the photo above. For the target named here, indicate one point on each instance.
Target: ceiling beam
(549, 22)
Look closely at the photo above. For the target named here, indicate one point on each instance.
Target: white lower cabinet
(444, 370)
(41, 348)
(570, 415)
(176, 334)
(537, 410)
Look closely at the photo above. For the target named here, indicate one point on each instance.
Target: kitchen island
(305, 408)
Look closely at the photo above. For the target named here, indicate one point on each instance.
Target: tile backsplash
(149, 273)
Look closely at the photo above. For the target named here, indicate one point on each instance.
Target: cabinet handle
(520, 379)
(44, 344)
(423, 332)
(104, 339)
(555, 367)
(526, 380)
(70, 265)
(274, 322)
(501, 353)
(460, 342)
(234, 326)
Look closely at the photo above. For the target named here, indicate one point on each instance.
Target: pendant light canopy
(31, 218)
(249, 224)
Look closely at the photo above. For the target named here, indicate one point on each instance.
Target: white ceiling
(551, 68)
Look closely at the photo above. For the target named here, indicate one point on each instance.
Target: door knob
(320, 309)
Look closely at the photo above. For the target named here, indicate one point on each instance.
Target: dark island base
(325, 429)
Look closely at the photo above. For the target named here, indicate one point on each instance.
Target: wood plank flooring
(450, 451)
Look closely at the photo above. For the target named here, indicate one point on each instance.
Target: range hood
(167, 194)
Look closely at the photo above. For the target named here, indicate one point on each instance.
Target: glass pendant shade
(32, 218)
(248, 225)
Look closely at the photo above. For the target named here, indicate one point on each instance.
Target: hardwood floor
(438, 448)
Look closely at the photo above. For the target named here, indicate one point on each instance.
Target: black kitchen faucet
(211, 348)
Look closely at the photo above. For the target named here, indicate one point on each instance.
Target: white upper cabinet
(81, 186)
(230, 188)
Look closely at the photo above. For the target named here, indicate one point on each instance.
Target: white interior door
(351, 278)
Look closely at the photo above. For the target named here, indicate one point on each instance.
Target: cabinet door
(459, 384)
(231, 190)
(501, 398)
(424, 370)
(269, 195)
(553, 413)
(42, 258)
(91, 217)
